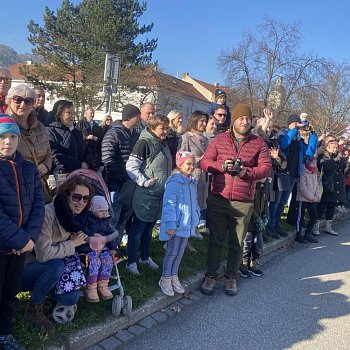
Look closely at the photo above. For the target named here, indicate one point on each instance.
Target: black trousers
(326, 206)
(313, 217)
(11, 268)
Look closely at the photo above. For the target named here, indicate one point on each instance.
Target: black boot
(309, 238)
(300, 238)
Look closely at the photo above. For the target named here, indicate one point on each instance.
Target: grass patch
(140, 288)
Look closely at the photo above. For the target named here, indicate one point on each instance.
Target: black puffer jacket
(68, 148)
(116, 148)
(22, 205)
(174, 140)
(332, 170)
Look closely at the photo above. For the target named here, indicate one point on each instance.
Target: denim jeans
(272, 208)
(41, 278)
(175, 249)
(140, 232)
(121, 214)
(283, 201)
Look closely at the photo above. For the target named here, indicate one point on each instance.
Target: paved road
(302, 302)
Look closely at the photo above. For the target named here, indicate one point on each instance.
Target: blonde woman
(174, 134)
(34, 141)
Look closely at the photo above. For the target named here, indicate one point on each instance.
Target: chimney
(185, 75)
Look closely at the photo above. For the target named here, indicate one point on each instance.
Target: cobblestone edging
(115, 332)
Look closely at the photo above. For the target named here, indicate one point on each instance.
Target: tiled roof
(212, 87)
(171, 83)
(147, 77)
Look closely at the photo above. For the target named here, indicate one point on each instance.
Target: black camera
(236, 167)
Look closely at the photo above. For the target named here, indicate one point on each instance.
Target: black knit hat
(293, 118)
(219, 93)
(130, 111)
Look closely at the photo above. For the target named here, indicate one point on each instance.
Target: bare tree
(328, 101)
(256, 66)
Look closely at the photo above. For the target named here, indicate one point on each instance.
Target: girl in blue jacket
(180, 217)
(21, 218)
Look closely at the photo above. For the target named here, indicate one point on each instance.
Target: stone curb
(114, 332)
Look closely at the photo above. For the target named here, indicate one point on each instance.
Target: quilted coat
(253, 152)
(116, 148)
(21, 203)
(68, 147)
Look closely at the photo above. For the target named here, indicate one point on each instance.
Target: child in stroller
(121, 302)
(96, 255)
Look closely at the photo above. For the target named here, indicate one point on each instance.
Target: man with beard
(237, 159)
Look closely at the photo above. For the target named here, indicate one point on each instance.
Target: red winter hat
(181, 156)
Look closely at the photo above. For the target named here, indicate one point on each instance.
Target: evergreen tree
(74, 41)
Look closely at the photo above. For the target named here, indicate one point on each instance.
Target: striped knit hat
(98, 203)
(8, 124)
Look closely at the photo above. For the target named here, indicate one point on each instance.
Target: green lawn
(140, 288)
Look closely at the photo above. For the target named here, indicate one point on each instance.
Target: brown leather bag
(47, 192)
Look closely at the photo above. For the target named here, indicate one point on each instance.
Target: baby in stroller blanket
(100, 250)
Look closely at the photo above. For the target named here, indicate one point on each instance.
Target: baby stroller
(120, 302)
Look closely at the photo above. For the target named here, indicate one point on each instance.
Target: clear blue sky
(192, 33)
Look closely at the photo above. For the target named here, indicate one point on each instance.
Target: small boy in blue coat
(22, 209)
(180, 217)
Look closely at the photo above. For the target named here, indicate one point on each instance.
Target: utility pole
(111, 77)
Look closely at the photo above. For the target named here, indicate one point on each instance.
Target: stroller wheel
(127, 307)
(63, 314)
(116, 305)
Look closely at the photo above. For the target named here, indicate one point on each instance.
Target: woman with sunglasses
(62, 232)
(34, 142)
(106, 123)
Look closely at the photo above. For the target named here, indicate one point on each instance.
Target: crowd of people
(226, 172)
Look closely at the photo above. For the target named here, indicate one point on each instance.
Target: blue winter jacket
(180, 206)
(97, 225)
(308, 150)
(22, 205)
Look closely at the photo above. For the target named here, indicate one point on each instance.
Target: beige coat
(191, 144)
(53, 241)
(308, 187)
(38, 143)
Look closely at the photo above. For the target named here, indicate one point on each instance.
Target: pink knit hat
(98, 203)
(181, 156)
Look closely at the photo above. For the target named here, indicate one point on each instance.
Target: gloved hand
(258, 224)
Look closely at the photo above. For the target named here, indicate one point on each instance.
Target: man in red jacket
(237, 159)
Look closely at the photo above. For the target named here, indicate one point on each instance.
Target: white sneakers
(149, 263)
(177, 286)
(170, 285)
(166, 287)
(132, 268)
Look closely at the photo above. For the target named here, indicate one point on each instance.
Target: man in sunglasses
(220, 115)
(5, 84)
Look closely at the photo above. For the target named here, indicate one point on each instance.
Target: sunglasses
(76, 197)
(6, 80)
(19, 99)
